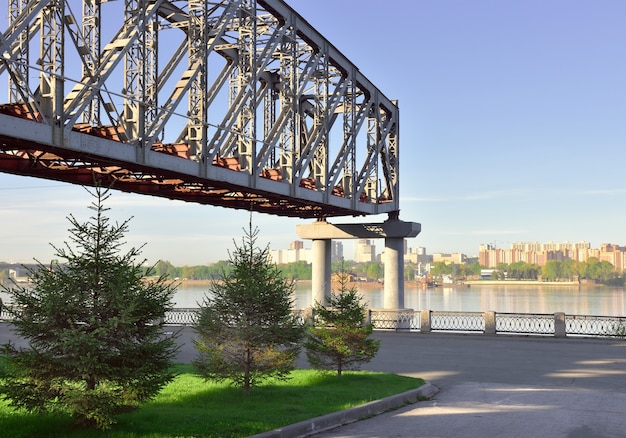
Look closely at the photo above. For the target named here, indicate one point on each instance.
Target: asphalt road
(503, 387)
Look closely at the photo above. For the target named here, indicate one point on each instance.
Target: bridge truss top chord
(237, 103)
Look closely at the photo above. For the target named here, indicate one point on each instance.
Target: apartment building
(298, 253)
(456, 258)
(417, 255)
(540, 253)
(364, 251)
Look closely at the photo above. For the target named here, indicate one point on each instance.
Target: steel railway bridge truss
(237, 103)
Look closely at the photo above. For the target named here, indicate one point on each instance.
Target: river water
(587, 300)
(573, 300)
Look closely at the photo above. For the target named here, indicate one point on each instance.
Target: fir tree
(338, 339)
(96, 345)
(247, 331)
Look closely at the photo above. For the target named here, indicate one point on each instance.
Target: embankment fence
(489, 323)
(427, 321)
(493, 323)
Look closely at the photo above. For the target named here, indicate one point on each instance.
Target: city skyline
(371, 250)
(511, 116)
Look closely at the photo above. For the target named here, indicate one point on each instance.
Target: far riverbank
(415, 284)
(526, 283)
(359, 285)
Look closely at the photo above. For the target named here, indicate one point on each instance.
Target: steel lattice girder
(238, 103)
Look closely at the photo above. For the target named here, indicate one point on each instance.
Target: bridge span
(238, 103)
(233, 103)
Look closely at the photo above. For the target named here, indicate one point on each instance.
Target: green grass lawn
(193, 407)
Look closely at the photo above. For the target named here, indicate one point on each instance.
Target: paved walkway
(503, 387)
(493, 386)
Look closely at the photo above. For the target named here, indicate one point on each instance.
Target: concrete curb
(330, 421)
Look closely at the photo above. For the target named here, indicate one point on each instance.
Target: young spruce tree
(338, 339)
(246, 329)
(96, 346)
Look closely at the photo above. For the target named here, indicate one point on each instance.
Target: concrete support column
(393, 293)
(320, 283)
(394, 231)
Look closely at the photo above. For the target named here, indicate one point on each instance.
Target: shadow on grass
(193, 407)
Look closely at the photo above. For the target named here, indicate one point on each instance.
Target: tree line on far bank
(297, 270)
(554, 270)
(601, 272)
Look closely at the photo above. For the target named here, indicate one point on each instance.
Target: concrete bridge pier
(320, 283)
(393, 230)
(393, 292)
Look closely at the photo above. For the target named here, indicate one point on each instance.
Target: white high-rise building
(296, 253)
(364, 251)
(336, 251)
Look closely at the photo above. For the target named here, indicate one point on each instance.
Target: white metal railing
(595, 325)
(525, 323)
(426, 321)
(557, 324)
(186, 316)
(457, 321)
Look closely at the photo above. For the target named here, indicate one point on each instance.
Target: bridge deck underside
(21, 157)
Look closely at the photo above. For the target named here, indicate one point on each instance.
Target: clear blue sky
(513, 128)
